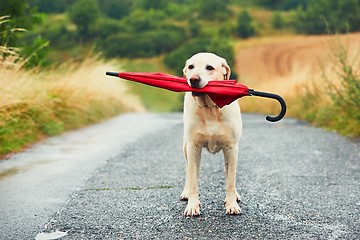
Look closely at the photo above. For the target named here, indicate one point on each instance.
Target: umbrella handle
(115, 74)
(273, 96)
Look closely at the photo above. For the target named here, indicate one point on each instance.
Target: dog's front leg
(191, 189)
(232, 196)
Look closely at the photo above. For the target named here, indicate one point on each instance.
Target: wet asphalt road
(296, 182)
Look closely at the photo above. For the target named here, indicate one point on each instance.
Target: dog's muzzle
(195, 83)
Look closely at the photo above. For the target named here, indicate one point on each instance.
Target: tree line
(146, 28)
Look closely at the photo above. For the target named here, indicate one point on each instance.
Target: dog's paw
(231, 205)
(232, 208)
(192, 209)
(238, 198)
(184, 196)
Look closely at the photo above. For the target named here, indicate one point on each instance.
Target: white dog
(208, 126)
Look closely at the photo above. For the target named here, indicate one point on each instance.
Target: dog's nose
(195, 81)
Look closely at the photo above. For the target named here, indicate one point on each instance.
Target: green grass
(154, 99)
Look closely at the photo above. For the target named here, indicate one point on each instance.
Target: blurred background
(54, 55)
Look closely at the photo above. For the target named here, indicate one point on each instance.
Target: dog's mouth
(197, 94)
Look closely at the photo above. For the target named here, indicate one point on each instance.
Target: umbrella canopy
(221, 92)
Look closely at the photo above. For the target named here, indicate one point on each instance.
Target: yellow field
(289, 65)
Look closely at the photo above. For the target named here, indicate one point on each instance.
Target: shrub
(116, 9)
(142, 44)
(106, 27)
(214, 9)
(346, 97)
(176, 59)
(59, 35)
(245, 28)
(336, 104)
(140, 20)
(277, 21)
(84, 14)
(322, 16)
(283, 4)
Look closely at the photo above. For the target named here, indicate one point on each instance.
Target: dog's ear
(226, 70)
(185, 68)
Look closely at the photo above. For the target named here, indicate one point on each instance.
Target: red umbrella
(221, 92)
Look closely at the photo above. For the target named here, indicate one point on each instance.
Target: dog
(208, 126)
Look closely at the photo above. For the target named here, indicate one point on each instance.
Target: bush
(277, 21)
(245, 28)
(322, 16)
(53, 6)
(346, 98)
(84, 14)
(59, 35)
(340, 108)
(142, 44)
(176, 59)
(34, 54)
(116, 9)
(106, 27)
(283, 4)
(140, 20)
(214, 9)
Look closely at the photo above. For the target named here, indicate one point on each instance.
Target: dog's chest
(212, 131)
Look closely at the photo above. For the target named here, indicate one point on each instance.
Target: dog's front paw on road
(231, 205)
(232, 208)
(192, 209)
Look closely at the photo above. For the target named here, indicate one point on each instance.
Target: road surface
(121, 179)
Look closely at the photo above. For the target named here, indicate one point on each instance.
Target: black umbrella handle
(115, 74)
(273, 96)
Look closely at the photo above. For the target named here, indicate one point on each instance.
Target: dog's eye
(191, 66)
(210, 68)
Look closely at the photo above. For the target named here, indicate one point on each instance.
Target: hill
(317, 75)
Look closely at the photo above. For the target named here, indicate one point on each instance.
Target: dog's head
(203, 67)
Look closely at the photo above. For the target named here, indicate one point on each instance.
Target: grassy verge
(35, 104)
(335, 104)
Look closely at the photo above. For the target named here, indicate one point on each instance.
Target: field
(291, 65)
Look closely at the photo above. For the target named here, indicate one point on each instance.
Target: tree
(322, 16)
(282, 4)
(84, 14)
(245, 28)
(53, 6)
(152, 4)
(194, 27)
(17, 17)
(214, 9)
(277, 21)
(19, 12)
(116, 8)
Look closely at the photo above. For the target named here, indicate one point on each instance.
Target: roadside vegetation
(40, 102)
(50, 51)
(334, 102)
